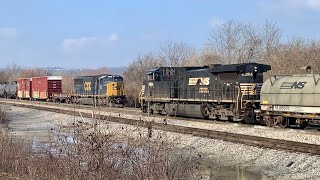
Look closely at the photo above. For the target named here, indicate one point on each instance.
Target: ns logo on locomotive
(234, 92)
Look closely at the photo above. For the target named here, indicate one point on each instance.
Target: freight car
(24, 88)
(45, 88)
(227, 92)
(8, 89)
(104, 89)
(291, 99)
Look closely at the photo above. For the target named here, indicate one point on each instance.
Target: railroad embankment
(209, 155)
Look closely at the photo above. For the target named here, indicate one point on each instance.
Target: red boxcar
(46, 87)
(24, 89)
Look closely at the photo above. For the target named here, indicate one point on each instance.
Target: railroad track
(263, 142)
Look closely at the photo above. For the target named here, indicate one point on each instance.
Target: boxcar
(44, 88)
(24, 88)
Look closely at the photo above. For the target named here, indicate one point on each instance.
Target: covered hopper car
(291, 99)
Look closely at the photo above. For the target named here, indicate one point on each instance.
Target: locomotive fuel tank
(293, 97)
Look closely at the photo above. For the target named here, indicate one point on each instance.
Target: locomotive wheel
(269, 121)
(303, 124)
(204, 111)
(111, 103)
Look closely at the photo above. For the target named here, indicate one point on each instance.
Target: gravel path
(44, 125)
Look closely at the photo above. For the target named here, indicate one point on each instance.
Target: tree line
(230, 42)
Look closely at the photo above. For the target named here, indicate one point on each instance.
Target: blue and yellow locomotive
(103, 89)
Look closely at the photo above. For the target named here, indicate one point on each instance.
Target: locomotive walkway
(263, 142)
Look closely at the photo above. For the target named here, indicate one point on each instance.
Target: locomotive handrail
(276, 77)
(314, 78)
(308, 70)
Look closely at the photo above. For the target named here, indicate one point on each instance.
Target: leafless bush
(3, 113)
(90, 151)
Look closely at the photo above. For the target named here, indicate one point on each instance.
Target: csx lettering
(87, 86)
(293, 85)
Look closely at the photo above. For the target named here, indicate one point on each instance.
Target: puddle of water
(237, 173)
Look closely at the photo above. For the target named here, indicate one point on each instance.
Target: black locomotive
(227, 92)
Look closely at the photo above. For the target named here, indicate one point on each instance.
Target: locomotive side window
(156, 76)
(172, 72)
(166, 72)
(169, 72)
(150, 76)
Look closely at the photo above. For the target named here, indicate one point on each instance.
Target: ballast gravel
(290, 134)
(272, 163)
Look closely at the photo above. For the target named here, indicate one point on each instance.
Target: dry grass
(4, 113)
(88, 154)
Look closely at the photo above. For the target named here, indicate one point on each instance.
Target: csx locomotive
(228, 92)
(103, 89)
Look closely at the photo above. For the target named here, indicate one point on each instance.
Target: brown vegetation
(4, 113)
(82, 153)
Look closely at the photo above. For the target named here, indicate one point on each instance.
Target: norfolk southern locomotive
(227, 92)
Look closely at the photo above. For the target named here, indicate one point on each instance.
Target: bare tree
(175, 53)
(33, 72)
(202, 58)
(136, 73)
(238, 42)
(225, 41)
(10, 73)
(250, 44)
(270, 35)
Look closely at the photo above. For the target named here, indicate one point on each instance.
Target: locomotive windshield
(117, 78)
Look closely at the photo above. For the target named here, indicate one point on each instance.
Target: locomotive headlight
(255, 69)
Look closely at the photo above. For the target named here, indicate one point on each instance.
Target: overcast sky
(90, 34)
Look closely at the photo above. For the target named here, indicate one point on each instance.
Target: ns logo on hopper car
(293, 85)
